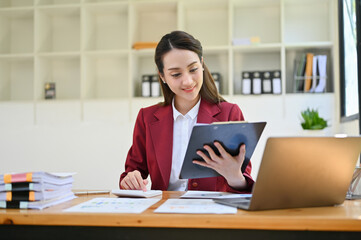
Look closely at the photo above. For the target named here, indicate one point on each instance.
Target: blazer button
(194, 184)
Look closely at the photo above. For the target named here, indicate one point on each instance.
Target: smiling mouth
(190, 89)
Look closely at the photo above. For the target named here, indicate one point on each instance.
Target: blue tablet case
(230, 134)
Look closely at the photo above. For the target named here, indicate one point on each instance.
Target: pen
(92, 192)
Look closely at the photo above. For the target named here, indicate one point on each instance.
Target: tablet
(230, 134)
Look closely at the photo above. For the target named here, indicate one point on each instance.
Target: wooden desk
(321, 223)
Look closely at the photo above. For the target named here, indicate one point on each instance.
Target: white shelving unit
(85, 46)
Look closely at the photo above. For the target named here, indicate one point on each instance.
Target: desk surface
(345, 217)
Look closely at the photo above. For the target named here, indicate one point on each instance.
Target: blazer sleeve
(136, 158)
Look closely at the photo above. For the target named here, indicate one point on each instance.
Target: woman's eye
(176, 75)
(193, 69)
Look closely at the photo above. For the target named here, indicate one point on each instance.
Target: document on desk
(195, 206)
(213, 195)
(114, 205)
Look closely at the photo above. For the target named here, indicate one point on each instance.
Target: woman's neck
(185, 106)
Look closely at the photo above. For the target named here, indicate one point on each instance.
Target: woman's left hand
(227, 165)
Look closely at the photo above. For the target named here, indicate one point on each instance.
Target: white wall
(94, 147)
(350, 128)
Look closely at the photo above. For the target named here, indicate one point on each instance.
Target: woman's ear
(161, 77)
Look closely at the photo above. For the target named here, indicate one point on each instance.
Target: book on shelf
(314, 73)
(310, 73)
(322, 65)
(299, 73)
(144, 45)
(35, 189)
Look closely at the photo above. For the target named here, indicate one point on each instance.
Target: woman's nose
(187, 79)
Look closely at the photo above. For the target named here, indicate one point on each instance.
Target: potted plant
(312, 120)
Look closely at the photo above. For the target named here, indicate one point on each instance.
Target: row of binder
(261, 82)
(310, 73)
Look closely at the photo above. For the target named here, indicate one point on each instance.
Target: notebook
(298, 172)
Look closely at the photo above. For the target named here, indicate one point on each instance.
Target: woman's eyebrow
(176, 68)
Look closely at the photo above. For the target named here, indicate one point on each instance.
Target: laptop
(298, 172)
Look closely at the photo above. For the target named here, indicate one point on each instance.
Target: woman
(162, 131)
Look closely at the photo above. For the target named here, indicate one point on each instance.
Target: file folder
(257, 83)
(246, 83)
(267, 82)
(276, 82)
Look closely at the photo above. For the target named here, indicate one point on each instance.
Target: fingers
(221, 150)
(207, 161)
(212, 154)
(134, 181)
(242, 153)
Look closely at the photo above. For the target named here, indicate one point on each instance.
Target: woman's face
(183, 72)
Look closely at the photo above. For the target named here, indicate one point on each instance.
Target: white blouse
(182, 129)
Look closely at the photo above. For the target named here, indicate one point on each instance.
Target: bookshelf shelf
(85, 46)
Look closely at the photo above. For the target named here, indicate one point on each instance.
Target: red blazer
(151, 152)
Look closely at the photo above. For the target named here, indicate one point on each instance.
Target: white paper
(213, 195)
(114, 205)
(194, 206)
(136, 193)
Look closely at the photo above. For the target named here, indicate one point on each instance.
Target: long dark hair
(183, 40)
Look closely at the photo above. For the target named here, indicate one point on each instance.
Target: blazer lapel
(207, 112)
(161, 132)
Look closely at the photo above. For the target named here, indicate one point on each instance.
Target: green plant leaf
(312, 120)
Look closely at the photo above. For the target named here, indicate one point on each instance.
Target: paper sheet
(213, 195)
(114, 205)
(195, 206)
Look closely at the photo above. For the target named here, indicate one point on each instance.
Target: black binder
(230, 134)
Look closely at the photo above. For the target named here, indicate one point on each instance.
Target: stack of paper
(35, 190)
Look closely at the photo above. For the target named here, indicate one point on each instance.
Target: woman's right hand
(134, 181)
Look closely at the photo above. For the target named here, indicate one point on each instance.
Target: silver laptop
(302, 172)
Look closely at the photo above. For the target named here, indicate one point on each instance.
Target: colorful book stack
(35, 190)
